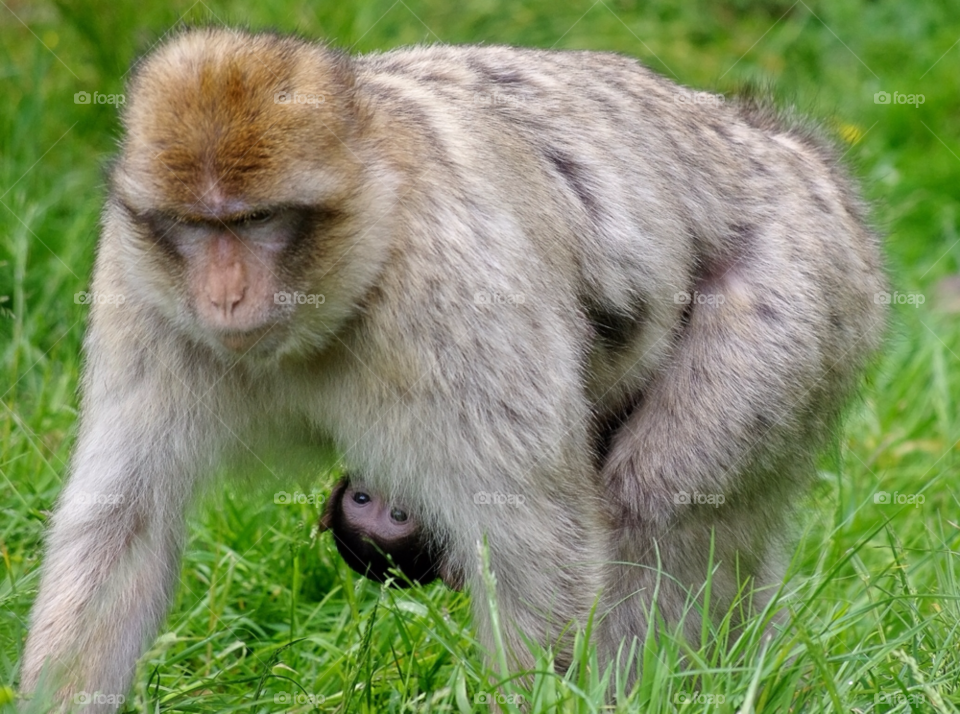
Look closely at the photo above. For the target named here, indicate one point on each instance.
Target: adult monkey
(511, 246)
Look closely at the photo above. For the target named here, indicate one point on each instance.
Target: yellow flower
(850, 133)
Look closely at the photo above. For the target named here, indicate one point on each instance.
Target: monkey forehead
(218, 115)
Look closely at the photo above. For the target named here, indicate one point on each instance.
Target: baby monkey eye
(258, 217)
(398, 515)
(361, 498)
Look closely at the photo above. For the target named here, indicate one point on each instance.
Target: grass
(266, 613)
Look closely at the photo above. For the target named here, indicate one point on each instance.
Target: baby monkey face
(382, 540)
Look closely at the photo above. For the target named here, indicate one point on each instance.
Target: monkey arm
(112, 553)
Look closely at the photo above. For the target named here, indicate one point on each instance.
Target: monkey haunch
(376, 538)
(461, 295)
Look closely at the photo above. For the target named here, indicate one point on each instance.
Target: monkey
(453, 265)
(375, 537)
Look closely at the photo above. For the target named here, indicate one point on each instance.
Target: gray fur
(579, 195)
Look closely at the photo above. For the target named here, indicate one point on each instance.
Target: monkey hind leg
(669, 582)
(772, 344)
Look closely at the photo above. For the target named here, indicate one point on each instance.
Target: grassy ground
(266, 612)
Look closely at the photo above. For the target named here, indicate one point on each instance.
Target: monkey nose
(225, 298)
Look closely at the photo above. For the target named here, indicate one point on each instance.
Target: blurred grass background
(266, 610)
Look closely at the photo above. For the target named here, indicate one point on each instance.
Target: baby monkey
(375, 537)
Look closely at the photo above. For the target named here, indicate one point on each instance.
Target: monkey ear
(451, 575)
(333, 502)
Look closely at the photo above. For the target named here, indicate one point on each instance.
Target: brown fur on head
(279, 104)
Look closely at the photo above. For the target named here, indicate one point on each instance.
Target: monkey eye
(258, 217)
(361, 497)
(398, 515)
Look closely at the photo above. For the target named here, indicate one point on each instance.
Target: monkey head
(375, 537)
(236, 200)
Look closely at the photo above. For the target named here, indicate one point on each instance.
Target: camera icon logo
(881, 98)
(282, 498)
(881, 497)
(81, 98)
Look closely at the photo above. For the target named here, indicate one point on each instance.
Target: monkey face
(376, 517)
(375, 537)
(240, 203)
(231, 271)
